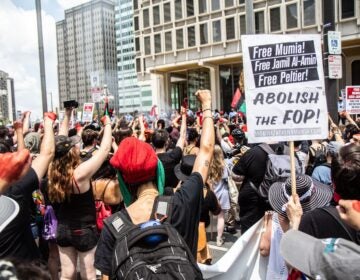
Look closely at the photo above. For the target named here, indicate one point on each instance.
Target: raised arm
(47, 148)
(18, 126)
(142, 128)
(87, 169)
(64, 127)
(203, 159)
(25, 121)
(181, 141)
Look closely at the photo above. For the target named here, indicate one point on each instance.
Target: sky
(19, 56)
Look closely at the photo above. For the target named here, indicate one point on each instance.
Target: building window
(136, 23)
(355, 70)
(230, 28)
(275, 19)
(259, 23)
(156, 15)
(137, 44)
(241, 2)
(242, 24)
(168, 41)
(135, 4)
(157, 43)
(191, 36)
(203, 33)
(189, 8)
(202, 6)
(347, 9)
(229, 3)
(147, 45)
(179, 39)
(291, 16)
(215, 5)
(167, 12)
(146, 22)
(309, 12)
(216, 30)
(178, 9)
(138, 65)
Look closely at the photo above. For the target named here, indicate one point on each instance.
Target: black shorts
(83, 239)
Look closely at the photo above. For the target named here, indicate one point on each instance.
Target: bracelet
(207, 109)
(208, 117)
(107, 124)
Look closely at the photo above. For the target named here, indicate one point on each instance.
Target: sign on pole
(284, 87)
(352, 99)
(334, 42)
(96, 89)
(88, 110)
(335, 66)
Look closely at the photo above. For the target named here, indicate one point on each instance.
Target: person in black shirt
(16, 240)
(138, 166)
(326, 222)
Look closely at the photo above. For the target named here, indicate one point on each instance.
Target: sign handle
(292, 167)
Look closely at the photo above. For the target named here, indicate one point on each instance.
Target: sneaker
(220, 241)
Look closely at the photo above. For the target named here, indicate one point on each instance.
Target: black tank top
(78, 211)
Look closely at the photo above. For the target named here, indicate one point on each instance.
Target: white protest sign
(352, 99)
(96, 89)
(284, 87)
(334, 42)
(88, 110)
(335, 66)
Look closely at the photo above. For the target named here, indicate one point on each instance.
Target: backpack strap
(119, 224)
(162, 208)
(333, 213)
(266, 148)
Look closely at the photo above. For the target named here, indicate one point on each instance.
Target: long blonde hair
(60, 176)
(217, 165)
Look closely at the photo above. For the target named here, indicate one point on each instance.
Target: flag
(236, 98)
(106, 109)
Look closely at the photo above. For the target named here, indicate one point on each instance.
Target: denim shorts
(82, 239)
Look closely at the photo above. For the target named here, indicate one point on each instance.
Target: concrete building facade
(7, 98)
(86, 47)
(184, 45)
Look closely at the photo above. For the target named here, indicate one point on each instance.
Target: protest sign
(96, 89)
(88, 110)
(284, 87)
(352, 99)
(341, 101)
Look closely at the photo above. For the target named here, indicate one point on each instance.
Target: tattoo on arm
(207, 163)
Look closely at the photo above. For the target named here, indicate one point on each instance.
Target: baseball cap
(63, 144)
(8, 211)
(332, 258)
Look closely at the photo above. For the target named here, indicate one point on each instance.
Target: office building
(184, 45)
(7, 98)
(86, 48)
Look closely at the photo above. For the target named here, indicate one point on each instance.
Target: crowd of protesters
(60, 181)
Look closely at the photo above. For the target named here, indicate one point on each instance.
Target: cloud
(67, 4)
(19, 55)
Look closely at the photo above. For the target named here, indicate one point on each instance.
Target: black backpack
(317, 158)
(152, 250)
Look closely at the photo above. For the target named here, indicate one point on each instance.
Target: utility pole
(330, 84)
(249, 16)
(41, 55)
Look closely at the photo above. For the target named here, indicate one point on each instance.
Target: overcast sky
(19, 55)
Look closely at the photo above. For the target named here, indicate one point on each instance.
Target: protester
(345, 175)
(138, 170)
(310, 195)
(192, 138)
(69, 186)
(218, 183)
(16, 239)
(321, 258)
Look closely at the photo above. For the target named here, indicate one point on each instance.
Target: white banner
(284, 87)
(88, 110)
(242, 261)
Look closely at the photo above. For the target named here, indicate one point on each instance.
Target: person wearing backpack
(141, 178)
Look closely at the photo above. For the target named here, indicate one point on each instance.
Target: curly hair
(217, 165)
(60, 175)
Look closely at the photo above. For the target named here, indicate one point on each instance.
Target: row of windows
(152, 16)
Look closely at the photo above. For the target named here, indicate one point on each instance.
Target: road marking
(218, 248)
